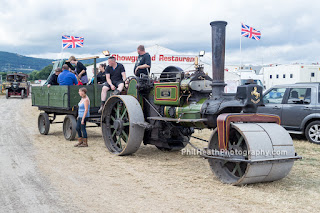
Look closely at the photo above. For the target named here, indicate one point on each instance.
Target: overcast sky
(290, 29)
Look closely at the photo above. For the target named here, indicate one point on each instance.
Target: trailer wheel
(22, 94)
(253, 141)
(7, 94)
(119, 120)
(69, 127)
(43, 123)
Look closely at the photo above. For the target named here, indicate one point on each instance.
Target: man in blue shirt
(67, 78)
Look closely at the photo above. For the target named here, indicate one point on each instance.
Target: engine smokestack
(218, 57)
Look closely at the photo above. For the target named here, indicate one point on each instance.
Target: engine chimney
(218, 57)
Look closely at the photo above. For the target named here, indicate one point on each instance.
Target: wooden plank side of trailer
(65, 96)
(55, 96)
(94, 95)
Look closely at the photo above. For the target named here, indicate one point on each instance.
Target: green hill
(18, 63)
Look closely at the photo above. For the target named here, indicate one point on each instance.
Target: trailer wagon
(63, 100)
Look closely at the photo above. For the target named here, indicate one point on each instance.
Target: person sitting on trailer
(101, 76)
(67, 78)
(143, 63)
(54, 78)
(80, 70)
(115, 75)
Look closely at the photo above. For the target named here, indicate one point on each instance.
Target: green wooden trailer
(63, 100)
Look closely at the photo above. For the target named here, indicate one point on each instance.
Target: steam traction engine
(245, 147)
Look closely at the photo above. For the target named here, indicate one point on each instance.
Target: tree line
(37, 75)
(34, 75)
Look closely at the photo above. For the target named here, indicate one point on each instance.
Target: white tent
(162, 57)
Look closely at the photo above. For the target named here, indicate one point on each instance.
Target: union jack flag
(71, 42)
(250, 32)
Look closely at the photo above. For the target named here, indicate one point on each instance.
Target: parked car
(298, 106)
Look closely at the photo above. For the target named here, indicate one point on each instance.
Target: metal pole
(240, 53)
(95, 80)
(94, 72)
(240, 68)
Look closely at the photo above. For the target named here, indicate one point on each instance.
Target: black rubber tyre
(43, 123)
(69, 127)
(22, 94)
(7, 94)
(312, 132)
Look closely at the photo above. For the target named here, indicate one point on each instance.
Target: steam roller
(261, 153)
(245, 147)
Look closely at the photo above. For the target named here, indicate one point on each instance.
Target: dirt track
(22, 187)
(47, 174)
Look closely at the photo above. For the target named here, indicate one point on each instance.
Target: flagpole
(261, 53)
(61, 53)
(240, 50)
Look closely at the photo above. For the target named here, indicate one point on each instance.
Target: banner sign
(161, 58)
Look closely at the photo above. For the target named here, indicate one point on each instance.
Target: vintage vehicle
(165, 110)
(298, 107)
(17, 84)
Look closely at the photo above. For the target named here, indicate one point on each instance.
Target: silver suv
(298, 106)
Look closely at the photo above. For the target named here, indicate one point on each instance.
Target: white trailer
(290, 74)
(236, 78)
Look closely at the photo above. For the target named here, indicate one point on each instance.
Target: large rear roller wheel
(22, 94)
(119, 120)
(254, 141)
(69, 127)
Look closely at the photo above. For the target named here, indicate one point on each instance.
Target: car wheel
(312, 132)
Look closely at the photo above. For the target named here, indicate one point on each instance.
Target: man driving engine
(115, 75)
